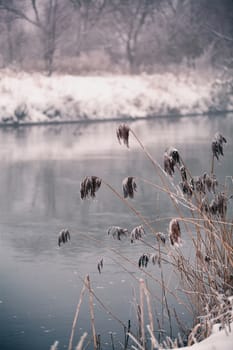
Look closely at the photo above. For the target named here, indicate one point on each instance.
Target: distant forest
(118, 36)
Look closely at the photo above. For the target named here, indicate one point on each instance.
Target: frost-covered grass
(33, 98)
(218, 340)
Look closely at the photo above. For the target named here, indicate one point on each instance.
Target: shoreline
(15, 124)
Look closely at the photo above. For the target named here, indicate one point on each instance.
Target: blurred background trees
(124, 36)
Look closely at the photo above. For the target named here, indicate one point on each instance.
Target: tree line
(130, 36)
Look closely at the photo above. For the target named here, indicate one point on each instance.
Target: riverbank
(28, 99)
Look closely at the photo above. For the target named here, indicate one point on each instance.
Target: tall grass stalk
(91, 306)
(142, 324)
(76, 317)
(81, 341)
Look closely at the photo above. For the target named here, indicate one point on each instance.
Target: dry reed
(204, 277)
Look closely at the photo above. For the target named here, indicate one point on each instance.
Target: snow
(34, 98)
(218, 340)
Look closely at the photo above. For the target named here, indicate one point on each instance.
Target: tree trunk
(131, 57)
(10, 53)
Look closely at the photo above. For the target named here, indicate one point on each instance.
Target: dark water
(41, 170)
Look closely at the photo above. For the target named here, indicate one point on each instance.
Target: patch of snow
(218, 340)
(34, 98)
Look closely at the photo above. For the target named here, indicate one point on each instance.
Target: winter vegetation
(204, 276)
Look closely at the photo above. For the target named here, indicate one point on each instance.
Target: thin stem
(76, 317)
(88, 285)
(212, 165)
(147, 295)
(80, 343)
(142, 325)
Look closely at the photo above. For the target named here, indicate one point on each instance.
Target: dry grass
(205, 278)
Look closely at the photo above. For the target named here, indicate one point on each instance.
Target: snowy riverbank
(34, 98)
(218, 340)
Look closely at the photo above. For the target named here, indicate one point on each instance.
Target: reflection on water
(41, 169)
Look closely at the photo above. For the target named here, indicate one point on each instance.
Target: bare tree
(10, 28)
(19, 9)
(87, 15)
(130, 17)
(50, 34)
(48, 20)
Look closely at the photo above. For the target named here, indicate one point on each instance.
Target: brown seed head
(123, 134)
(171, 158)
(143, 260)
(64, 236)
(89, 186)
(186, 188)
(174, 231)
(210, 182)
(197, 184)
(161, 236)
(137, 233)
(217, 145)
(129, 187)
(117, 232)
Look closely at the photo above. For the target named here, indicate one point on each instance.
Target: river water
(41, 171)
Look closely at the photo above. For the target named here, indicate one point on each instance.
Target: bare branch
(34, 6)
(220, 35)
(19, 14)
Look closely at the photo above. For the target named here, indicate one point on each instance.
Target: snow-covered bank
(30, 98)
(217, 341)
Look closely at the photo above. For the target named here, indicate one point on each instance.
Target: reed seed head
(129, 187)
(117, 232)
(168, 164)
(146, 258)
(197, 184)
(100, 265)
(155, 259)
(218, 205)
(89, 186)
(174, 232)
(210, 182)
(137, 233)
(64, 236)
(217, 145)
(143, 260)
(123, 134)
(186, 188)
(171, 158)
(161, 236)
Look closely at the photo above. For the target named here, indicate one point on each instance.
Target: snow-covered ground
(36, 98)
(218, 340)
